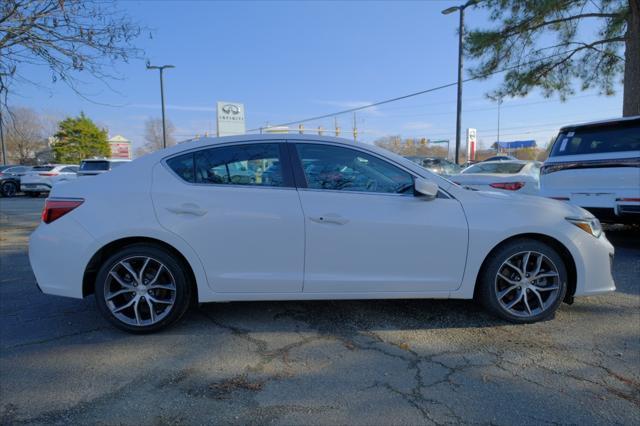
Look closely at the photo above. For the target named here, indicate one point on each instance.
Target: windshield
(94, 165)
(498, 168)
(597, 141)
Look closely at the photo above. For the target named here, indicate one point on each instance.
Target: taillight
(55, 209)
(48, 174)
(509, 186)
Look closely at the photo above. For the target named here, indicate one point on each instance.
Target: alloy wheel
(527, 283)
(140, 291)
(9, 189)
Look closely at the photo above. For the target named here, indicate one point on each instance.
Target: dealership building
(120, 147)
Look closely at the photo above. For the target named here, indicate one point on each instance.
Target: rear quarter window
(597, 141)
(183, 166)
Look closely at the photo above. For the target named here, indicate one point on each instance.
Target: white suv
(597, 166)
(42, 178)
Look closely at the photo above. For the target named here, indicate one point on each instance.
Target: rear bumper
(58, 253)
(35, 187)
(621, 213)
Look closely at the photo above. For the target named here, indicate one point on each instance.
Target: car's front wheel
(9, 189)
(523, 281)
(142, 288)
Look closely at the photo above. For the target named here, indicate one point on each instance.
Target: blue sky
(290, 60)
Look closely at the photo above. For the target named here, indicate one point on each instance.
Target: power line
(410, 95)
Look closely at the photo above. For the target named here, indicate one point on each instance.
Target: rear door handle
(188, 209)
(329, 218)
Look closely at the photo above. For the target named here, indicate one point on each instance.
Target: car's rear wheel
(523, 281)
(9, 189)
(142, 288)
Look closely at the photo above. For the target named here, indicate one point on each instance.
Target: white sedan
(504, 175)
(43, 178)
(297, 217)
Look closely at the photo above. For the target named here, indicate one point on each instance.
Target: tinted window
(499, 168)
(597, 141)
(94, 165)
(42, 168)
(345, 169)
(183, 166)
(251, 164)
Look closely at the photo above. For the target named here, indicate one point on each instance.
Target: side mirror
(426, 187)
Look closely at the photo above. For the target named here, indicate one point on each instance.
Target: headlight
(589, 225)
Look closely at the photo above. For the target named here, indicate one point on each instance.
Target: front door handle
(188, 209)
(329, 218)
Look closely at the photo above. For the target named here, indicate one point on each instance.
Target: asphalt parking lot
(347, 362)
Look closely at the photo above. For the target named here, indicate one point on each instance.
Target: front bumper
(594, 265)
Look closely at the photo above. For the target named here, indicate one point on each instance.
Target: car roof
(603, 123)
(269, 137)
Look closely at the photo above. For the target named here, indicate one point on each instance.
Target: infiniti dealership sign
(230, 118)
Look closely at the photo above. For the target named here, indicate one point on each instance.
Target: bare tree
(24, 135)
(69, 37)
(153, 136)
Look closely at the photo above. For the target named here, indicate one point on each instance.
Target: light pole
(460, 51)
(164, 126)
(499, 103)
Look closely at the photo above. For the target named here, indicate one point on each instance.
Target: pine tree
(550, 44)
(79, 138)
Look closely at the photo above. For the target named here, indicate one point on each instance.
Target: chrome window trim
(259, 140)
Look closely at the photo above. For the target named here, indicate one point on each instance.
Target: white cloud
(175, 107)
(349, 104)
(418, 125)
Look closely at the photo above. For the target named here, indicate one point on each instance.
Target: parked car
(597, 166)
(340, 221)
(42, 178)
(10, 179)
(521, 176)
(96, 166)
(15, 171)
(501, 158)
(440, 166)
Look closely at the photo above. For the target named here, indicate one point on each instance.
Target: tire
(9, 189)
(33, 194)
(540, 294)
(169, 303)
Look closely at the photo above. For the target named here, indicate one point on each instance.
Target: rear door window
(247, 164)
(597, 141)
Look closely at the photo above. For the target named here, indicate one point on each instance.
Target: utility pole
(4, 149)
(164, 125)
(460, 64)
(355, 129)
